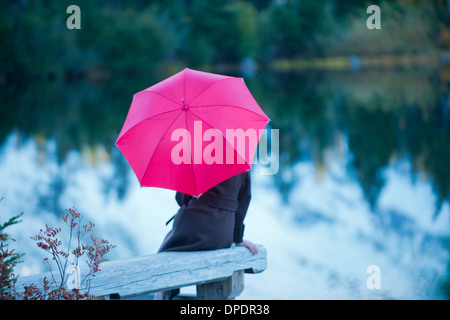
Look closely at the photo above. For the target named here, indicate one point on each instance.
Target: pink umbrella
(191, 131)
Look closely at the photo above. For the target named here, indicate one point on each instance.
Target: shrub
(59, 286)
(8, 260)
(64, 259)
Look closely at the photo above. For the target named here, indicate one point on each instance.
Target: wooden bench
(218, 274)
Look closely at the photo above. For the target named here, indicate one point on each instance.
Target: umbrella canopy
(191, 131)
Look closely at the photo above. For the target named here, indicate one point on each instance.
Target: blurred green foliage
(75, 86)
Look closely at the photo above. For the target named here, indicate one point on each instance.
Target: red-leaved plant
(56, 287)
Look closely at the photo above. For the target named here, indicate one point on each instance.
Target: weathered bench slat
(169, 270)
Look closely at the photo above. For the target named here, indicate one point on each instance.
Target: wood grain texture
(168, 270)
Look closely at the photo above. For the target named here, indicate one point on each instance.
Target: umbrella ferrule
(184, 105)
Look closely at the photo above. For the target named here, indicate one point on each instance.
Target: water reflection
(363, 153)
(382, 115)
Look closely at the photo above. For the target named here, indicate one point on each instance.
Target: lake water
(363, 181)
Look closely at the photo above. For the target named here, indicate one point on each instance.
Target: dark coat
(214, 220)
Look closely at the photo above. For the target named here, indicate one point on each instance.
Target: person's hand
(249, 245)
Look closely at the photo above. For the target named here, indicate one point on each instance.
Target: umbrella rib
(212, 127)
(192, 160)
(157, 145)
(159, 94)
(225, 105)
(184, 87)
(212, 84)
(153, 115)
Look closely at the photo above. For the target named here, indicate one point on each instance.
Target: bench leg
(229, 288)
